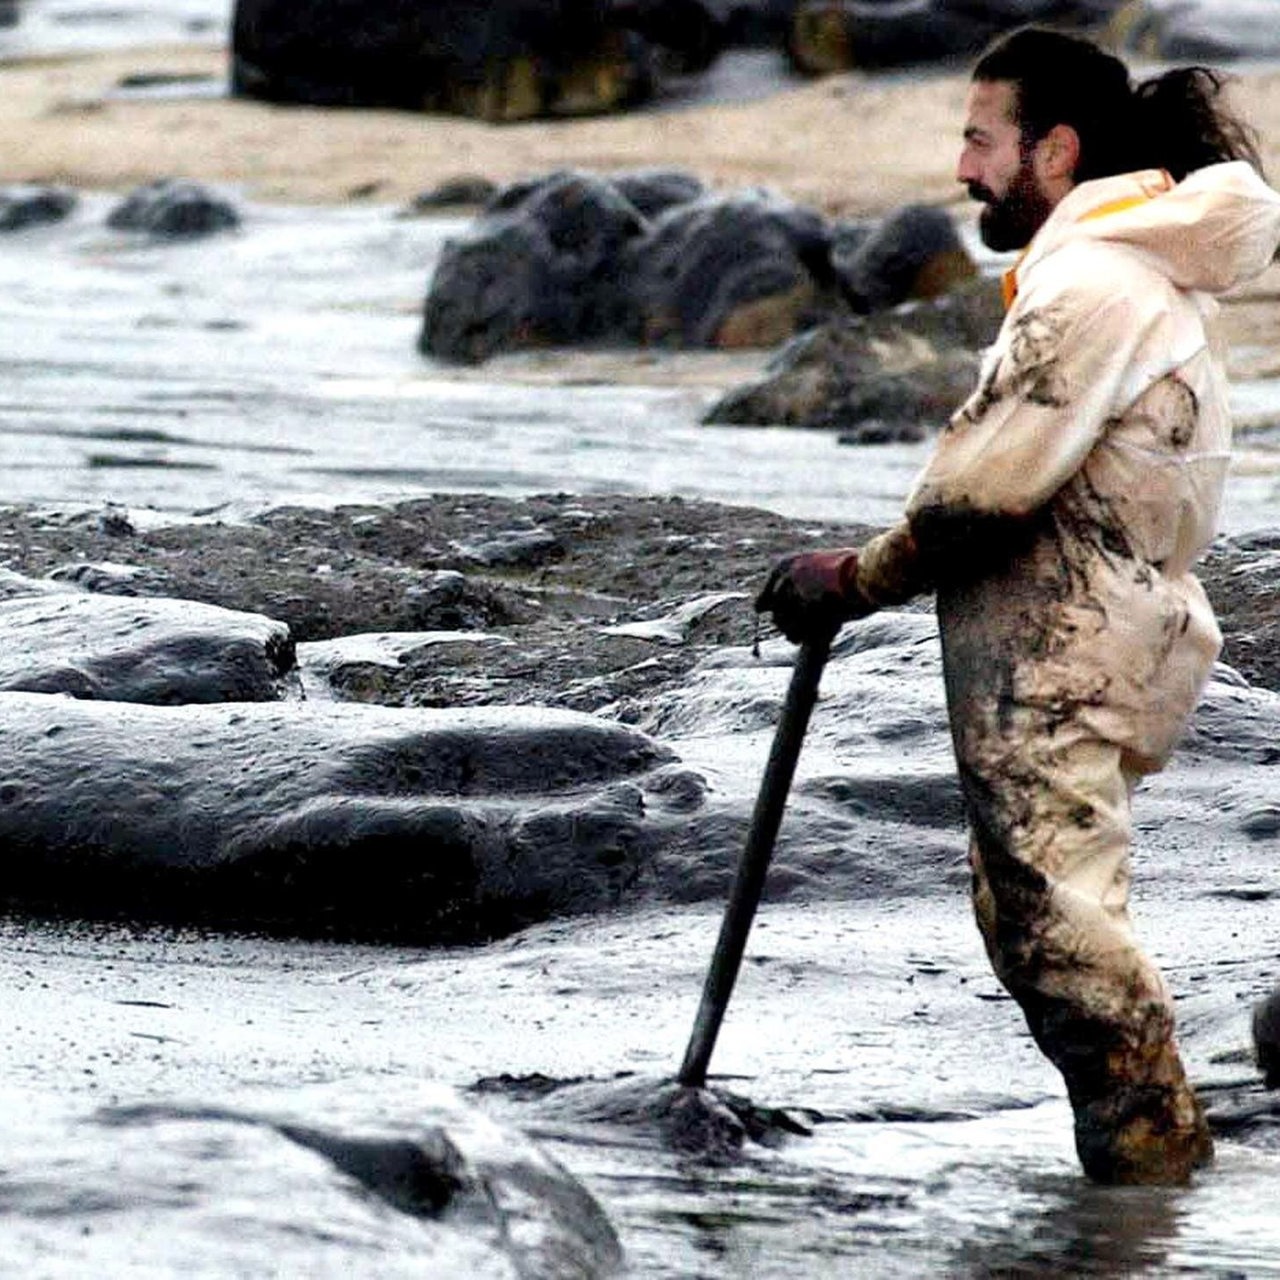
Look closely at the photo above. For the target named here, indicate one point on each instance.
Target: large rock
(539, 269)
(827, 36)
(744, 270)
(418, 825)
(896, 375)
(507, 60)
(569, 259)
(915, 252)
(830, 36)
(121, 649)
(396, 1177)
(650, 257)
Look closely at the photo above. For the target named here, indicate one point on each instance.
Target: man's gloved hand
(811, 594)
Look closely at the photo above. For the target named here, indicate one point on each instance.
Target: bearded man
(1057, 520)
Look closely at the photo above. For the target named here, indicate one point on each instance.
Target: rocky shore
(583, 586)
(607, 613)
(363, 861)
(535, 727)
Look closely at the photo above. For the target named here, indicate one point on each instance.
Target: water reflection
(1079, 1229)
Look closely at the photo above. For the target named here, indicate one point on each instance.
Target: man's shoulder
(1090, 275)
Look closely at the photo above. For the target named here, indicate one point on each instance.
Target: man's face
(999, 169)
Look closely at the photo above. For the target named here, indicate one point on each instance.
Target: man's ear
(1058, 153)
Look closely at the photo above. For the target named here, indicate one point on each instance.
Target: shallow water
(278, 364)
(940, 1141)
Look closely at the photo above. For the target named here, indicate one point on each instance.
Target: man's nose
(966, 170)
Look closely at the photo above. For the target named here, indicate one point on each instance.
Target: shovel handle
(748, 884)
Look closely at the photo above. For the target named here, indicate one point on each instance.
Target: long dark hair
(1175, 121)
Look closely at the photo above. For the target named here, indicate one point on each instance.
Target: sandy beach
(853, 144)
(846, 144)
(843, 144)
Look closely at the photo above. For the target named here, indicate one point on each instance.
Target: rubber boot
(1147, 1127)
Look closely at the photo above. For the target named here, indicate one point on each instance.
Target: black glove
(811, 595)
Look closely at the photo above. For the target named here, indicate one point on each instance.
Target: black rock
(826, 36)
(891, 376)
(124, 649)
(496, 59)
(23, 206)
(913, 253)
(650, 257)
(748, 269)
(539, 269)
(424, 826)
(174, 209)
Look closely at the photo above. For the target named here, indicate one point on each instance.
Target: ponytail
(1182, 125)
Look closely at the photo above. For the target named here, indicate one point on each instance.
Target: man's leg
(1049, 812)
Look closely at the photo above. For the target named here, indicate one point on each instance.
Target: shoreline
(63, 119)
(849, 144)
(852, 145)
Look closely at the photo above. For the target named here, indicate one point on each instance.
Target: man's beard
(1009, 221)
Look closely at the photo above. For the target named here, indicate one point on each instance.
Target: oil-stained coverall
(1058, 520)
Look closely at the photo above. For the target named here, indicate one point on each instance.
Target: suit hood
(1216, 229)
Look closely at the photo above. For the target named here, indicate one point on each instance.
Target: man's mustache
(980, 193)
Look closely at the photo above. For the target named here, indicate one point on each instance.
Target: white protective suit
(1058, 519)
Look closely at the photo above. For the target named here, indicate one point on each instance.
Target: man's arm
(1068, 359)
(1075, 350)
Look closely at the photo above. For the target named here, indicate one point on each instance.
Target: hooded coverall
(1058, 519)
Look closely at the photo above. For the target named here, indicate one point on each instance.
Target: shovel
(744, 897)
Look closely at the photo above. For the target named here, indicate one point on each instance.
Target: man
(1057, 521)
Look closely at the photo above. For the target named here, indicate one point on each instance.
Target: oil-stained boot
(1147, 1127)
